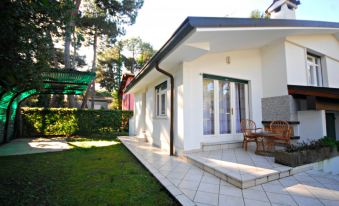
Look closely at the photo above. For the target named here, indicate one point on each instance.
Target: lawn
(84, 175)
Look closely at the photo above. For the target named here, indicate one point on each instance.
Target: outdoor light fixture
(228, 60)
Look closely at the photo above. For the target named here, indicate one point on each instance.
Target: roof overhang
(201, 35)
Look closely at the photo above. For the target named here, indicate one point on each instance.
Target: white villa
(227, 69)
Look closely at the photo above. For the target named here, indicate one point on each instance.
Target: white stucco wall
(274, 75)
(244, 65)
(312, 125)
(295, 64)
(332, 68)
(325, 46)
(157, 129)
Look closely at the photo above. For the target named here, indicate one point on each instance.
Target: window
(314, 71)
(225, 104)
(160, 99)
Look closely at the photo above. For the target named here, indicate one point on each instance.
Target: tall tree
(72, 14)
(26, 40)
(140, 52)
(110, 63)
(133, 45)
(104, 19)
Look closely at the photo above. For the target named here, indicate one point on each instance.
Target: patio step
(239, 174)
(210, 146)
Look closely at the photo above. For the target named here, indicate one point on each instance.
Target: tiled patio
(238, 167)
(194, 186)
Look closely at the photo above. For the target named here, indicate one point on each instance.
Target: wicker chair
(284, 130)
(249, 128)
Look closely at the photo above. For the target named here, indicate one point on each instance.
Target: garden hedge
(65, 121)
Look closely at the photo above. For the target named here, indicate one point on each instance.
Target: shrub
(65, 121)
(312, 145)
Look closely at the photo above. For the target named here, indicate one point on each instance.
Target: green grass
(93, 176)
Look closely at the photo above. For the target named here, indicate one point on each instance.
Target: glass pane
(208, 106)
(163, 104)
(224, 107)
(240, 105)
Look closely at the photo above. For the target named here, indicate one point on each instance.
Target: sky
(158, 19)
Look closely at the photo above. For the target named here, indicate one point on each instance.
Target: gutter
(172, 107)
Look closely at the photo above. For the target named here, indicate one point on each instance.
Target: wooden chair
(283, 129)
(249, 128)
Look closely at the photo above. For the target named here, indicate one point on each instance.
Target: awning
(55, 81)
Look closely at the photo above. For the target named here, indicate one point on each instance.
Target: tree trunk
(95, 42)
(91, 88)
(68, 34)
(67, 48)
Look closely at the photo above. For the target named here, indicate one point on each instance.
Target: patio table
(266, 135)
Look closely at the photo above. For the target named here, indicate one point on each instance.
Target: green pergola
(55, 81)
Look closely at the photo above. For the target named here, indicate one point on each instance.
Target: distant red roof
(125, 82)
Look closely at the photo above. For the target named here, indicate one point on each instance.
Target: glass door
(225, 104)
(225, 108)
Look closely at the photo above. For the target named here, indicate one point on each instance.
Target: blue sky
(158, 19)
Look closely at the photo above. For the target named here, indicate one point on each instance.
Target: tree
(104, 19)
(133, 45)
(110, 67)
(141, 52)
(146, 53)
(26, 44)
(256, 14)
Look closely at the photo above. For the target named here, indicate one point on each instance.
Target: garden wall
(65, 121)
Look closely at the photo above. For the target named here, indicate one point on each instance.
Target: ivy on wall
(65, 121)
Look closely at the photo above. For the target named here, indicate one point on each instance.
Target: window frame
(216, 117)
(319, 76)
(160, 91)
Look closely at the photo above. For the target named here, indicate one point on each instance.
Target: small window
(314, 71)
(160, 98)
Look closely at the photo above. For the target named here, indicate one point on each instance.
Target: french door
(225, 103)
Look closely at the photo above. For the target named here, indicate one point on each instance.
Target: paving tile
(173, 190)
(185, 201)
(330, 202)
(191, 185)
(282, 199)
(276, 188)
(194, 177)
(189, 193)
(174, 181)
(255, 195)
(323, 193)
(212, 188)
(230, 190)
(228, 200)
(306, 201)
(210, 179)
(258, 187)
(251, 202)
(206, 198)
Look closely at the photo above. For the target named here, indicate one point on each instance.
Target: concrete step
(240, 175)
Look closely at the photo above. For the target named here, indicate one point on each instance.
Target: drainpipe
(172, 107)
